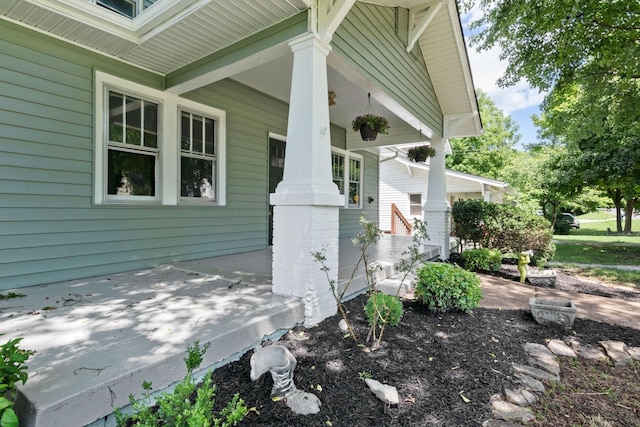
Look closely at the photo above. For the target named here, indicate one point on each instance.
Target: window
(415, 204)
(132, 159)
(197, 156)
(128, 8)
(347, 175)
(155, 147)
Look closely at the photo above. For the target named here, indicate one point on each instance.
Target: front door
(276, 171)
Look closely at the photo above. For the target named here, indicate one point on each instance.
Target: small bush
(383, 309)
(444, 287)
(12, 371)
(482, 259)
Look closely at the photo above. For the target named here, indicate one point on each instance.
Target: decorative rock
(616, 350)
(553, 312)
(588, 351)
(510, 412)
(520, 397)
(343, 326)
(278, 360)
(530, 383)
(634, 352)
(541, 357)
(388, 394)
(559, 348)
(536, 373)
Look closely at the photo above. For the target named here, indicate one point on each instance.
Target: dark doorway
(276, 171)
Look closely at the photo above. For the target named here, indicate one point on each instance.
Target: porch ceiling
(171, 35)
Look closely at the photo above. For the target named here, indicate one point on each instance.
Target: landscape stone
(520, 397)
(536, 373)
(510, 412)
(616, 350)
(550, 365)
(530, 383)
(388, 394)
(343, 326)
(588, 351)
(559, 348)
(539, 351)
(634, 352)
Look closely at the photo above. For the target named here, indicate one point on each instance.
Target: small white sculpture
(278, 360)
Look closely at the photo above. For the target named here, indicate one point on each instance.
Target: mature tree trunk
(628, 214)
(616, 196)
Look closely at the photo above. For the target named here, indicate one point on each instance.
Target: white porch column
(436, 212)
(306, 201)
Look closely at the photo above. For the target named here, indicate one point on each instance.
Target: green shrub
(482, 259)
(188, 405)
(383, 309)
(444, 287)
(12, 371)
(505, 228)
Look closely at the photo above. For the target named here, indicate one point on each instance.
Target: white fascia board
(420, 26)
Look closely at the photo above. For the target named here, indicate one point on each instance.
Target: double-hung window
(132, 158)
(197, 156)
(154, 147)
(347, 175)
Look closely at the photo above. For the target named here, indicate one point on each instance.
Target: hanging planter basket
(421, 154)
(369, 124)
(367, 133)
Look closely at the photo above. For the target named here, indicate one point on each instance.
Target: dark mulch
(446, 367)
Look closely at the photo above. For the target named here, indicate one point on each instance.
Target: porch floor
(98, 339)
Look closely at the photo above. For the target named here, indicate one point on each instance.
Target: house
(135, 133)
(404, 183)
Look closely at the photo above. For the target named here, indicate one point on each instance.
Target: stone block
(553, 312)
(558, 347)
(617, 351)
(510, 412)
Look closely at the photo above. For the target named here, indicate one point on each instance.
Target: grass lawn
(592, 244)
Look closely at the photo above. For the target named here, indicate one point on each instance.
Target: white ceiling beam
(330, 16)
(420, 26)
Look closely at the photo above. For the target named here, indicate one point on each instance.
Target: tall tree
(491, 153)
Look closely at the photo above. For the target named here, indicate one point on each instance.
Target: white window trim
(347, 156)
(167, 189)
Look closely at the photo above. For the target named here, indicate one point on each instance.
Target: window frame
(348, 156)
(411, 204)
(167, 165)
(201, 156)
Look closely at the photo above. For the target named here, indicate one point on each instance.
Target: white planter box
(553, 312)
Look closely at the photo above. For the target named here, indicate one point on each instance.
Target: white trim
(169, 153)
(345, 179)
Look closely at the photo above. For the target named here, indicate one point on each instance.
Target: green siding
(367, 39)
(49, 229)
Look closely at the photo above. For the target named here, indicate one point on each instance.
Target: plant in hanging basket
(421, 153)
(370, 125)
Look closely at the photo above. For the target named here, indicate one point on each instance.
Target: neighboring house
(404, 183)
(135, 133)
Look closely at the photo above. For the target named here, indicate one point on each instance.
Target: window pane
(150, 125)
(354, 170)
(197, 134)
(209, 137)
(115, 117)
(415, 204)
(197, 178)
(354, 194)
(123, 7)
(131, 174)
(133, 108)
(185, 132)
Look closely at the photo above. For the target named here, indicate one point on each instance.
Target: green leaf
(9, 419)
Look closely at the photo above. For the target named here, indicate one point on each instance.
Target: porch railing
(399, 224)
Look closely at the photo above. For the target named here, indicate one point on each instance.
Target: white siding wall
(395, 186)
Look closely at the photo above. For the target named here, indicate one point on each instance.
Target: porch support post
(306, 201)
(436, 211)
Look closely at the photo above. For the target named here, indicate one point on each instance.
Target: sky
(519, 101)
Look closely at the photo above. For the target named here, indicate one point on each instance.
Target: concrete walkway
(509, 295)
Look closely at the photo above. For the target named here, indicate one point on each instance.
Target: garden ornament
(523, 265)
(278, 360)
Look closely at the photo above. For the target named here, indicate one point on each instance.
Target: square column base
(438, 222)
(298, 233)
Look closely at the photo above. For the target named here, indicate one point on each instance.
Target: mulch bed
(446, 367)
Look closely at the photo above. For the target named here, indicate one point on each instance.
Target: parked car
(570, 219)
